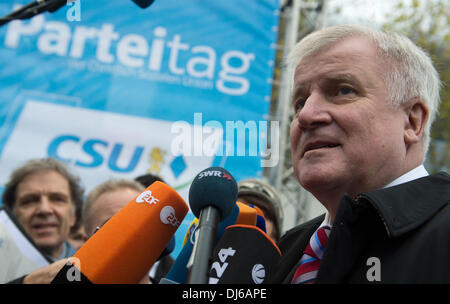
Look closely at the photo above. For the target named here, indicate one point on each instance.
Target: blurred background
(115, 90)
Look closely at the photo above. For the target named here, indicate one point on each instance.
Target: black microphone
(212, 198)
(244, 255)
(40, 6)
(32, 9)
(143, 3)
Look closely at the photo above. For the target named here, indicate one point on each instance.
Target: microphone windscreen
(125, 248)
(179, 271)
(214, 187)
(143, 3)
(260, 220)
(242, 214)
(247, 215)
(169, 248)
(244, 255)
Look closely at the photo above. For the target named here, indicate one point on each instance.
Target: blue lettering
(97, 158)
(97, 154)
(52, 149)
(115, 154)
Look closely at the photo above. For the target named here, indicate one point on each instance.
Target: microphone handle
(204, 244)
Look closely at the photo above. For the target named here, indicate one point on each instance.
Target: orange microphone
(125, 248)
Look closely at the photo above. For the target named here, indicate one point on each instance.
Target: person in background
(46, 198)
(262, 195)
(364, 103)
(148, 179)
(107, 199)
(77, 237)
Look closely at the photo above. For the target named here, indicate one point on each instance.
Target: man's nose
(315, 112)
(44, 206)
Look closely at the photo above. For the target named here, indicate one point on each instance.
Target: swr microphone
(244, 255)
(179, 270)
(212, 197)
(241, 214)
(125, 248)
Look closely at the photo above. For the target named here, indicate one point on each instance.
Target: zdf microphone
(128, 244)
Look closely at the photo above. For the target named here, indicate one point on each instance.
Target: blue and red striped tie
(310, 261)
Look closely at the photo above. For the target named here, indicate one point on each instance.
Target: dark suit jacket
(405, 228)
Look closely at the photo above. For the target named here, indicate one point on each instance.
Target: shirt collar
(413, 174)
(66, 252)
(326, 222)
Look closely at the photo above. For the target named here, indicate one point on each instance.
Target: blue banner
(117, 91)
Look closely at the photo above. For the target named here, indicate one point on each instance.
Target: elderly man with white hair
(364, 103)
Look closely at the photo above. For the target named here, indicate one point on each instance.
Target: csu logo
(147, 197)
(94, 152)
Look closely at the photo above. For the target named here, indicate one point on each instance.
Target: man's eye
(299, 104)
(59, 198)
(345, 91)
(28, 201)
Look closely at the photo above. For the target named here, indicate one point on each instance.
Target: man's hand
(45, 274)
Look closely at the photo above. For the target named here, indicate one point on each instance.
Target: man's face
(44, 208)
(345, 136)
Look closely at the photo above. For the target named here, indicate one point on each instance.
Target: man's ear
(417, 116)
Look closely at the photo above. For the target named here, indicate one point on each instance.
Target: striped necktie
(310, 261)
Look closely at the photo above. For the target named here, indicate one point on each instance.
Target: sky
(369, 12)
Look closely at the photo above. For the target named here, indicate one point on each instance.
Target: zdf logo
(146, 197)
(167, 216)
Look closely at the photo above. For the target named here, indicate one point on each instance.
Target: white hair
(409, 74)
(107, 186)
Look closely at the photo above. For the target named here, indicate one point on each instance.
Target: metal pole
(282, 111)
(204, 245)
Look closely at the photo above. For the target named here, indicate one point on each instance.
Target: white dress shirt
(415, 173)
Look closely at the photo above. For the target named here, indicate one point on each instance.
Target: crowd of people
(48, 202)
(364, 103)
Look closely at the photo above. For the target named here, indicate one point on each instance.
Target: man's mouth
(44, 227)
(319, 145)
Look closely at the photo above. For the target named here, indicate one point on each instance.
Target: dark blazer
(399, 234)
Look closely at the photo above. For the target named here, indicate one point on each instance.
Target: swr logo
(147, 197)
(214, 173)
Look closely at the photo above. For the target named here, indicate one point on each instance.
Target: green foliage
(427, 23)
